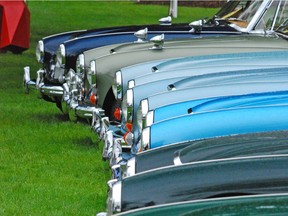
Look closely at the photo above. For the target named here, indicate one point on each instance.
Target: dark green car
(275, 204)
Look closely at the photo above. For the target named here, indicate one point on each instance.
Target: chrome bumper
(83, 111)
(47, 90)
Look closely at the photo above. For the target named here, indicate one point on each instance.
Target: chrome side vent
(154, 69)
(171, 87)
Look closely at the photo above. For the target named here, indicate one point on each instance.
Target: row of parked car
(193, 116)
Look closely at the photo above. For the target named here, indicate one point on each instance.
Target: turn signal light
(117, 113)
(93, 99)
(129, 126)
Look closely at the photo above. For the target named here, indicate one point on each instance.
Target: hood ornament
(158, 41)
(141, 35)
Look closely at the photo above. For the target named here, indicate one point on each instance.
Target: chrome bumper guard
(100, 124)
(83, 111)
(111, 137)
(47, 90)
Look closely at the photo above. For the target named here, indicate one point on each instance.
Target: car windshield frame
(268, 17)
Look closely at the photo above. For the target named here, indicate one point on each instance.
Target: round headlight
(145, 139)
(127, 108)
(60, 56)
(124, 109)
(130, 105)
(114, 197)
(80, 64)
(141, 113)
(40, 51)
(92, 67)
(91, 72)
(131, 84)
(130, 167)
(149, 118)
(117, 86)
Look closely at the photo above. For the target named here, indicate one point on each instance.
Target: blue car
(215, 123)
(205, 105)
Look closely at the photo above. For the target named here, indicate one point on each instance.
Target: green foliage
(49, 165)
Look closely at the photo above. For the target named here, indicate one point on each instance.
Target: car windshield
(283, 30)
(275, 16)
(244, 18)
(270, 19)
(233, 9)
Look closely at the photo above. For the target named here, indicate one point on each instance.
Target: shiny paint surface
(189, 97)
(148, 89)
(235, 146)
(275, 204)
(77, 46)
(52, 42)
(177, 49)
(197, 64)
(275, 142)
(204, 104)
(204, 180)
(218, 123)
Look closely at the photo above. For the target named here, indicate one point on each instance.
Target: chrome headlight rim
(149, 119)
(80, 63)
(40, 51)
(130, 102)
(117, 86)
(130, 167)
(114, 196)
(91, 72)
(124, 109)
(141, 113)
(92, 67)
(145, 139)
(60, 56)
(131, 84)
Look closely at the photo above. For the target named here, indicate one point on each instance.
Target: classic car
(254, 175)
(206, 103)
(126, 76)
(258, 205)
(104, 71)
(264, 143)
(202, 70)
(159, 113)
(97, 123)
(202, 125)
(132, 118)
(58, 53)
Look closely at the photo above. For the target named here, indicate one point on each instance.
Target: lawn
(49, 165)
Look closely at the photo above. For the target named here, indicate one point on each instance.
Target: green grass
(49, 165)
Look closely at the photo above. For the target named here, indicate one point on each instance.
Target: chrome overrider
(38, 84)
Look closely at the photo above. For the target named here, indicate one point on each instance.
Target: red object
(129, 126)
(14, 25)
(117, 114)
(93, 99)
